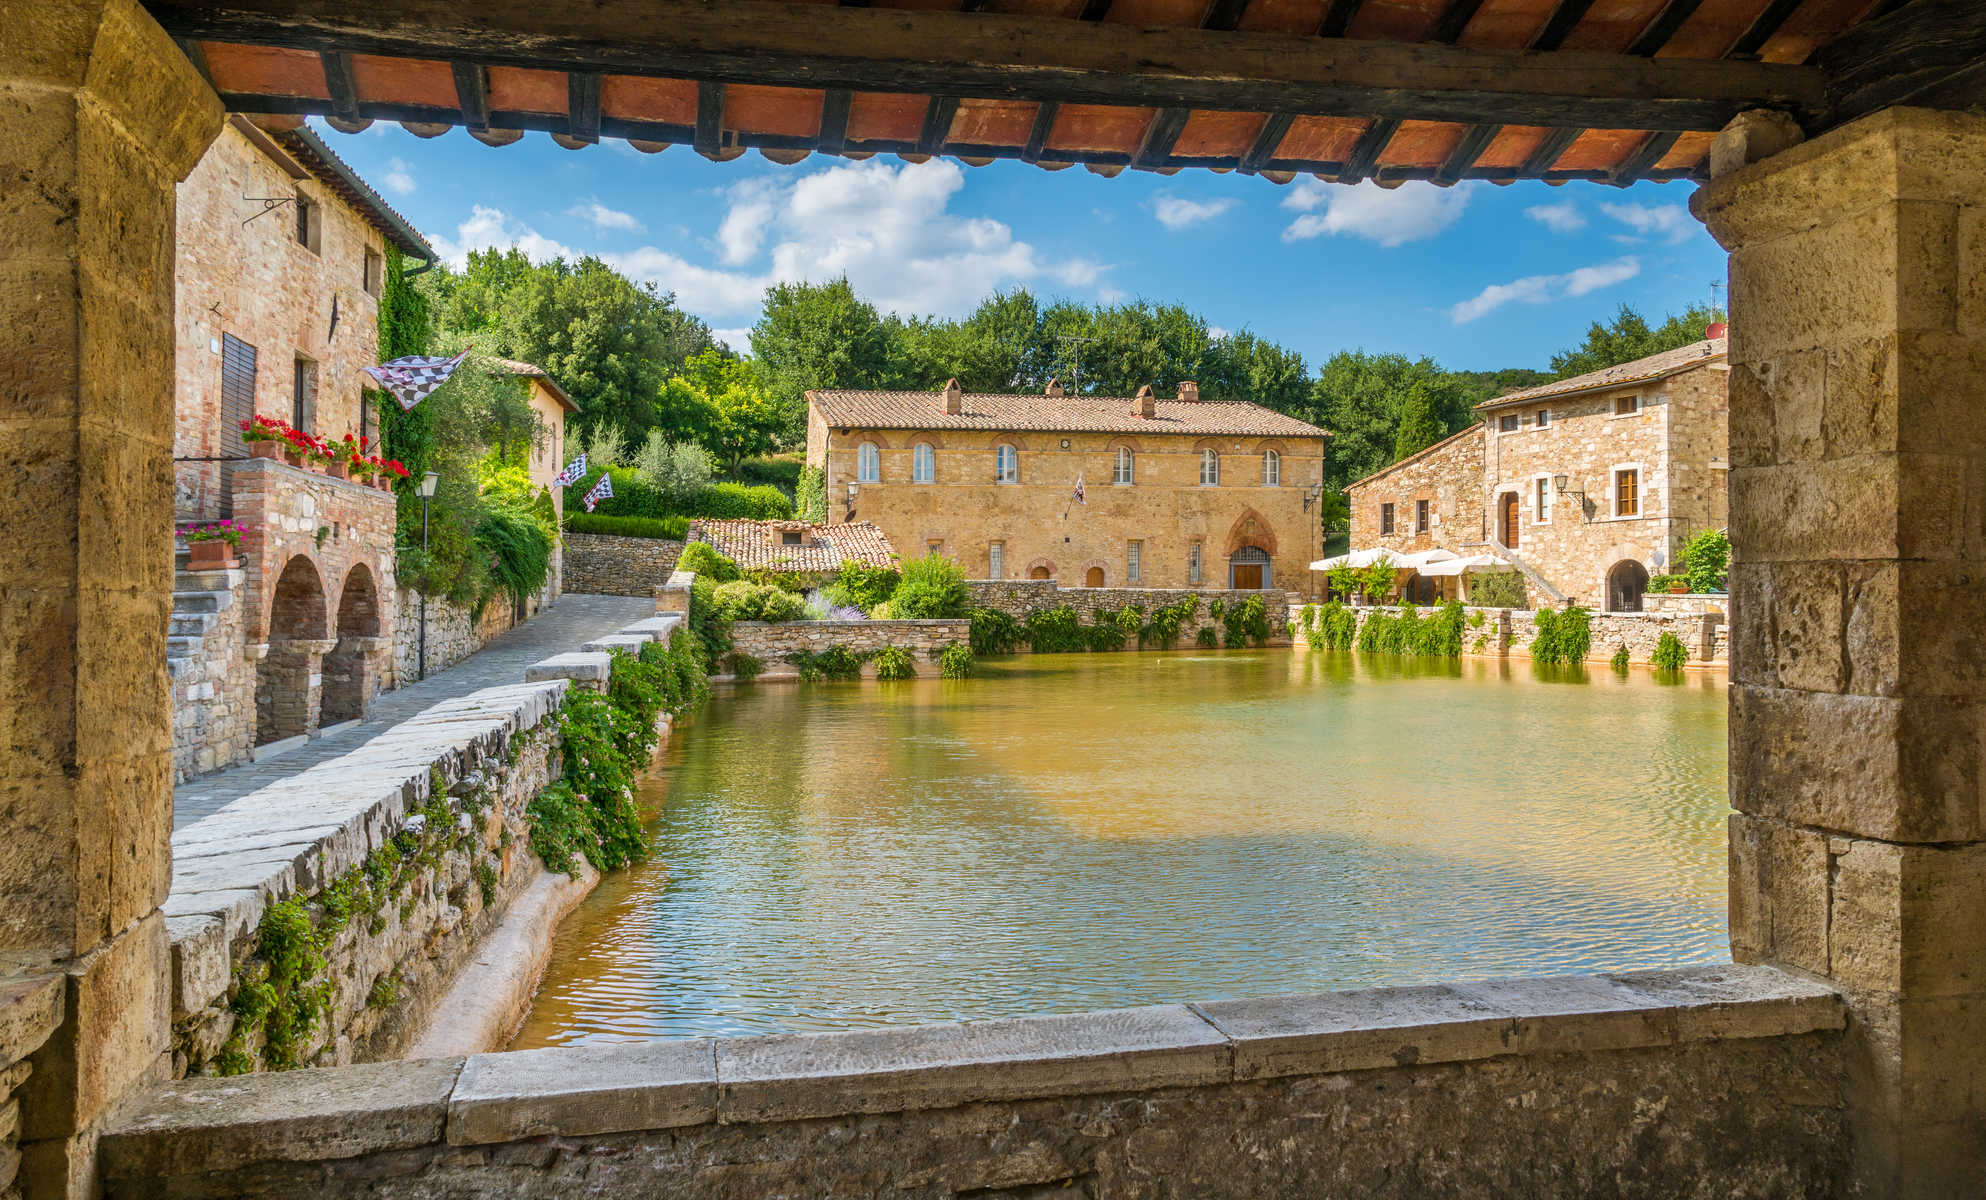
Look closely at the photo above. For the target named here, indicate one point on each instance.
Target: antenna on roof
(1076, 376)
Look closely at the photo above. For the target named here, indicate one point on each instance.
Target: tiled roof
(1655, 366)
(1036, 412)
(528, 371)
(354, 190)
(756, 545)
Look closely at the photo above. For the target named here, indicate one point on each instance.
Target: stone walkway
(567, 625)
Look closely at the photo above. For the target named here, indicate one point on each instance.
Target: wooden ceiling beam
(1663, 27)
(1474, 141)
(1161, 135)
(1929, 53)
(1338, 18)
(1453, 20)
(1365, 153)
(1548, 151)
(1761, 30)
(1094, 10)
(583, 106)
(1643, 159)
(338, 84)
(937, 124)
(833, 137)
(1005, 56)
(1037, 137)
(1224, 15)
(709, 119)
(1559, 26)
(472, 92)
(1262, 151)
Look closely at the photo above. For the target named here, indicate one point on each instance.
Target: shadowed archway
(349, 678)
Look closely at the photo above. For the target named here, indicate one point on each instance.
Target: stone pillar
(103, 116)
(1858, 644)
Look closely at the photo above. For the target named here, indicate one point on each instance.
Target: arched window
(868, 464)
(1123, 471)
(1006, 465)
(923, 464)
(1210, 467)
(1272, 469)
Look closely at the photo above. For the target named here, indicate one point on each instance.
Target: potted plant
(296, 446)
(390, 471)
(318, 455)
(348, 457)
(210, 546)
(264, 436)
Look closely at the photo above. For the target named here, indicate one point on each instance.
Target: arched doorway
(348, 677)
(1093, 578)
(1423, 590)
(1248, 569)
(285, 701)
(1038, 573)
(1627, 583)
(1506, 520)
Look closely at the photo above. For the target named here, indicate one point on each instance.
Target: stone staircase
(198, 600)
(1529, 572)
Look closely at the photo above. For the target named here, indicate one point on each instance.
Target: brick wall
(618, 566)
(1019, 597)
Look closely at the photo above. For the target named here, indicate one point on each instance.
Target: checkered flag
(603, 490)
(410, 379)
(1079, 489)
(573, 473)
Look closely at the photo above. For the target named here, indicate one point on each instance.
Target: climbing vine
(1562, 636)
(894, 662)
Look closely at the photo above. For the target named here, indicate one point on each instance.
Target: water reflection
(1073, 832)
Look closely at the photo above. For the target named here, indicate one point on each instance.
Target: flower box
(265, 449)
(209, 556)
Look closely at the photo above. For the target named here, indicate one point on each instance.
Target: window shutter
(237, 405)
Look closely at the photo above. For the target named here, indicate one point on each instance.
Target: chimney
(1054, 388)
(954, 398)
(1188, 391)
(1147, 403)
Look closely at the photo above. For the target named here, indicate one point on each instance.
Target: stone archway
(1250, 569)
(350, 675)
(1041, 568)
(1627, 583)
(286, 699)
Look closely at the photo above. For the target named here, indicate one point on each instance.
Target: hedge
(721, 501)
(673, 528)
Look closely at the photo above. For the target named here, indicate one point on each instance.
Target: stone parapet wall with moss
(316, 920)
(599, 565)
(775, 646)
(1019, 597)
(1505, 632)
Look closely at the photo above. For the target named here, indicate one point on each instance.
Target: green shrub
(1497, 589)
(1670, 653)
(882, 612)
(1408, 632)
(1057, 630)
(673, 528)
(1331, 626)
(1620, 660)
(704, 559)
(956, 662)
(782, 471)
(1206, 639)
(711, 627)
(933, 587)
(1562, 637)
(520, 549)
(741, 502)
(1167, 621)
(1104, 632)
(833, 663)
(994, 631)
(1246, 622)
(1662, 583)
(894, 662)
(743, 667)
(743, 600)
(1706, 558)
(860, 585)
(810, 495)
(635, 496)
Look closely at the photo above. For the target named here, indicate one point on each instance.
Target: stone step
(201, 602)
(191, 624)
(183, 647)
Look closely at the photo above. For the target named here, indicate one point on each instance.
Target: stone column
(1858, 644)
(103, 116)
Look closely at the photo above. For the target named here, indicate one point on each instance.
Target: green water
(1071, 832)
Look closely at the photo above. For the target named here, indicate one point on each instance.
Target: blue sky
(1475, 276)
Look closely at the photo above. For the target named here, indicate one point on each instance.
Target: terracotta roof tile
(528, 371)
(1036, 412)
(1655, 366)
(756, 545)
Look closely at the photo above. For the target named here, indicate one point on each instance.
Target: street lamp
(425, 490)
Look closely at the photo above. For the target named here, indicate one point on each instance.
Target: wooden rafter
(1453, 20)
(1037, 137)
(1548, 151)
(1474, 141)
(1928, 52)
(1338, 18)
(1644, 158)
(583, 106)
(1162, 133)
(1663, 27)
(937, 124)
(1754, 38)
(833, 138)
(1274, 129)
(472, 92)
(709, 138)
(338, 82)
(1001, 56)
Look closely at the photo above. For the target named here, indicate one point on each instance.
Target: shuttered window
(237, 405)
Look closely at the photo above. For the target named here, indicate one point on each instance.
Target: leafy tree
(1419, 426)
(1628, 337)
(1362, 399)
(818, 335)
(736, 415)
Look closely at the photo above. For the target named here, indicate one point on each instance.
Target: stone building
(551, 405)
(1588, 486)
(280, 261)
(1094, 491)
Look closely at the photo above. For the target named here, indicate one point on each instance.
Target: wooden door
(1509, 520)
(1247, 577)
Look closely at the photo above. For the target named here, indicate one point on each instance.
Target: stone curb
(206, 1124)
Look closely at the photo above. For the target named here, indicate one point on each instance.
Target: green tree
(1419, 426)
(736, 412)
(818, 335)
(1628, 337)
(1361, 398)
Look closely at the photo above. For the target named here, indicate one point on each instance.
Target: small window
(303, 394)
(1133, 552)
(1272, 469)
(1006, 465)
(1627, 493)
(1626, 406)
(1385, 518)
(310, 224)
(934, 546)
(1542, 501)
(375, 271)
(996, 560)
(1193, 562)
(1420, 516)
(1544, 417)
(1507, 423)
(789, 537)
(1210, 468)
(868, 464)
(1122, 472)
(923, 464)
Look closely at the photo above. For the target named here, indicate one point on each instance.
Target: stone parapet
(618, 566)
(673, 595)
(1019, 597)
(774, 644)
(1221, 1099)
(1509, 632)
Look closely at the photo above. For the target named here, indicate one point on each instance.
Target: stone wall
(1019, 597)
(1447, 475)
(1505, 632)
(439, 889)
(30, 1010)
(771, 643)
(453, 632)
(213, 679)
(1688, 603)
(1705, 1082)
(618, 566)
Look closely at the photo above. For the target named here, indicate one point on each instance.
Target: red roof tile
(756, 545)
(1033, 411)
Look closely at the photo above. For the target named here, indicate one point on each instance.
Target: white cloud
(739, 340)
(754, 203)
(604, 219)
(1177, 212)
(701, 290)
(399, 177)
(493, 229)
(1389, 216)
(1539, 289)
(1563, 217)
(1671, 222)
(1216, 331)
